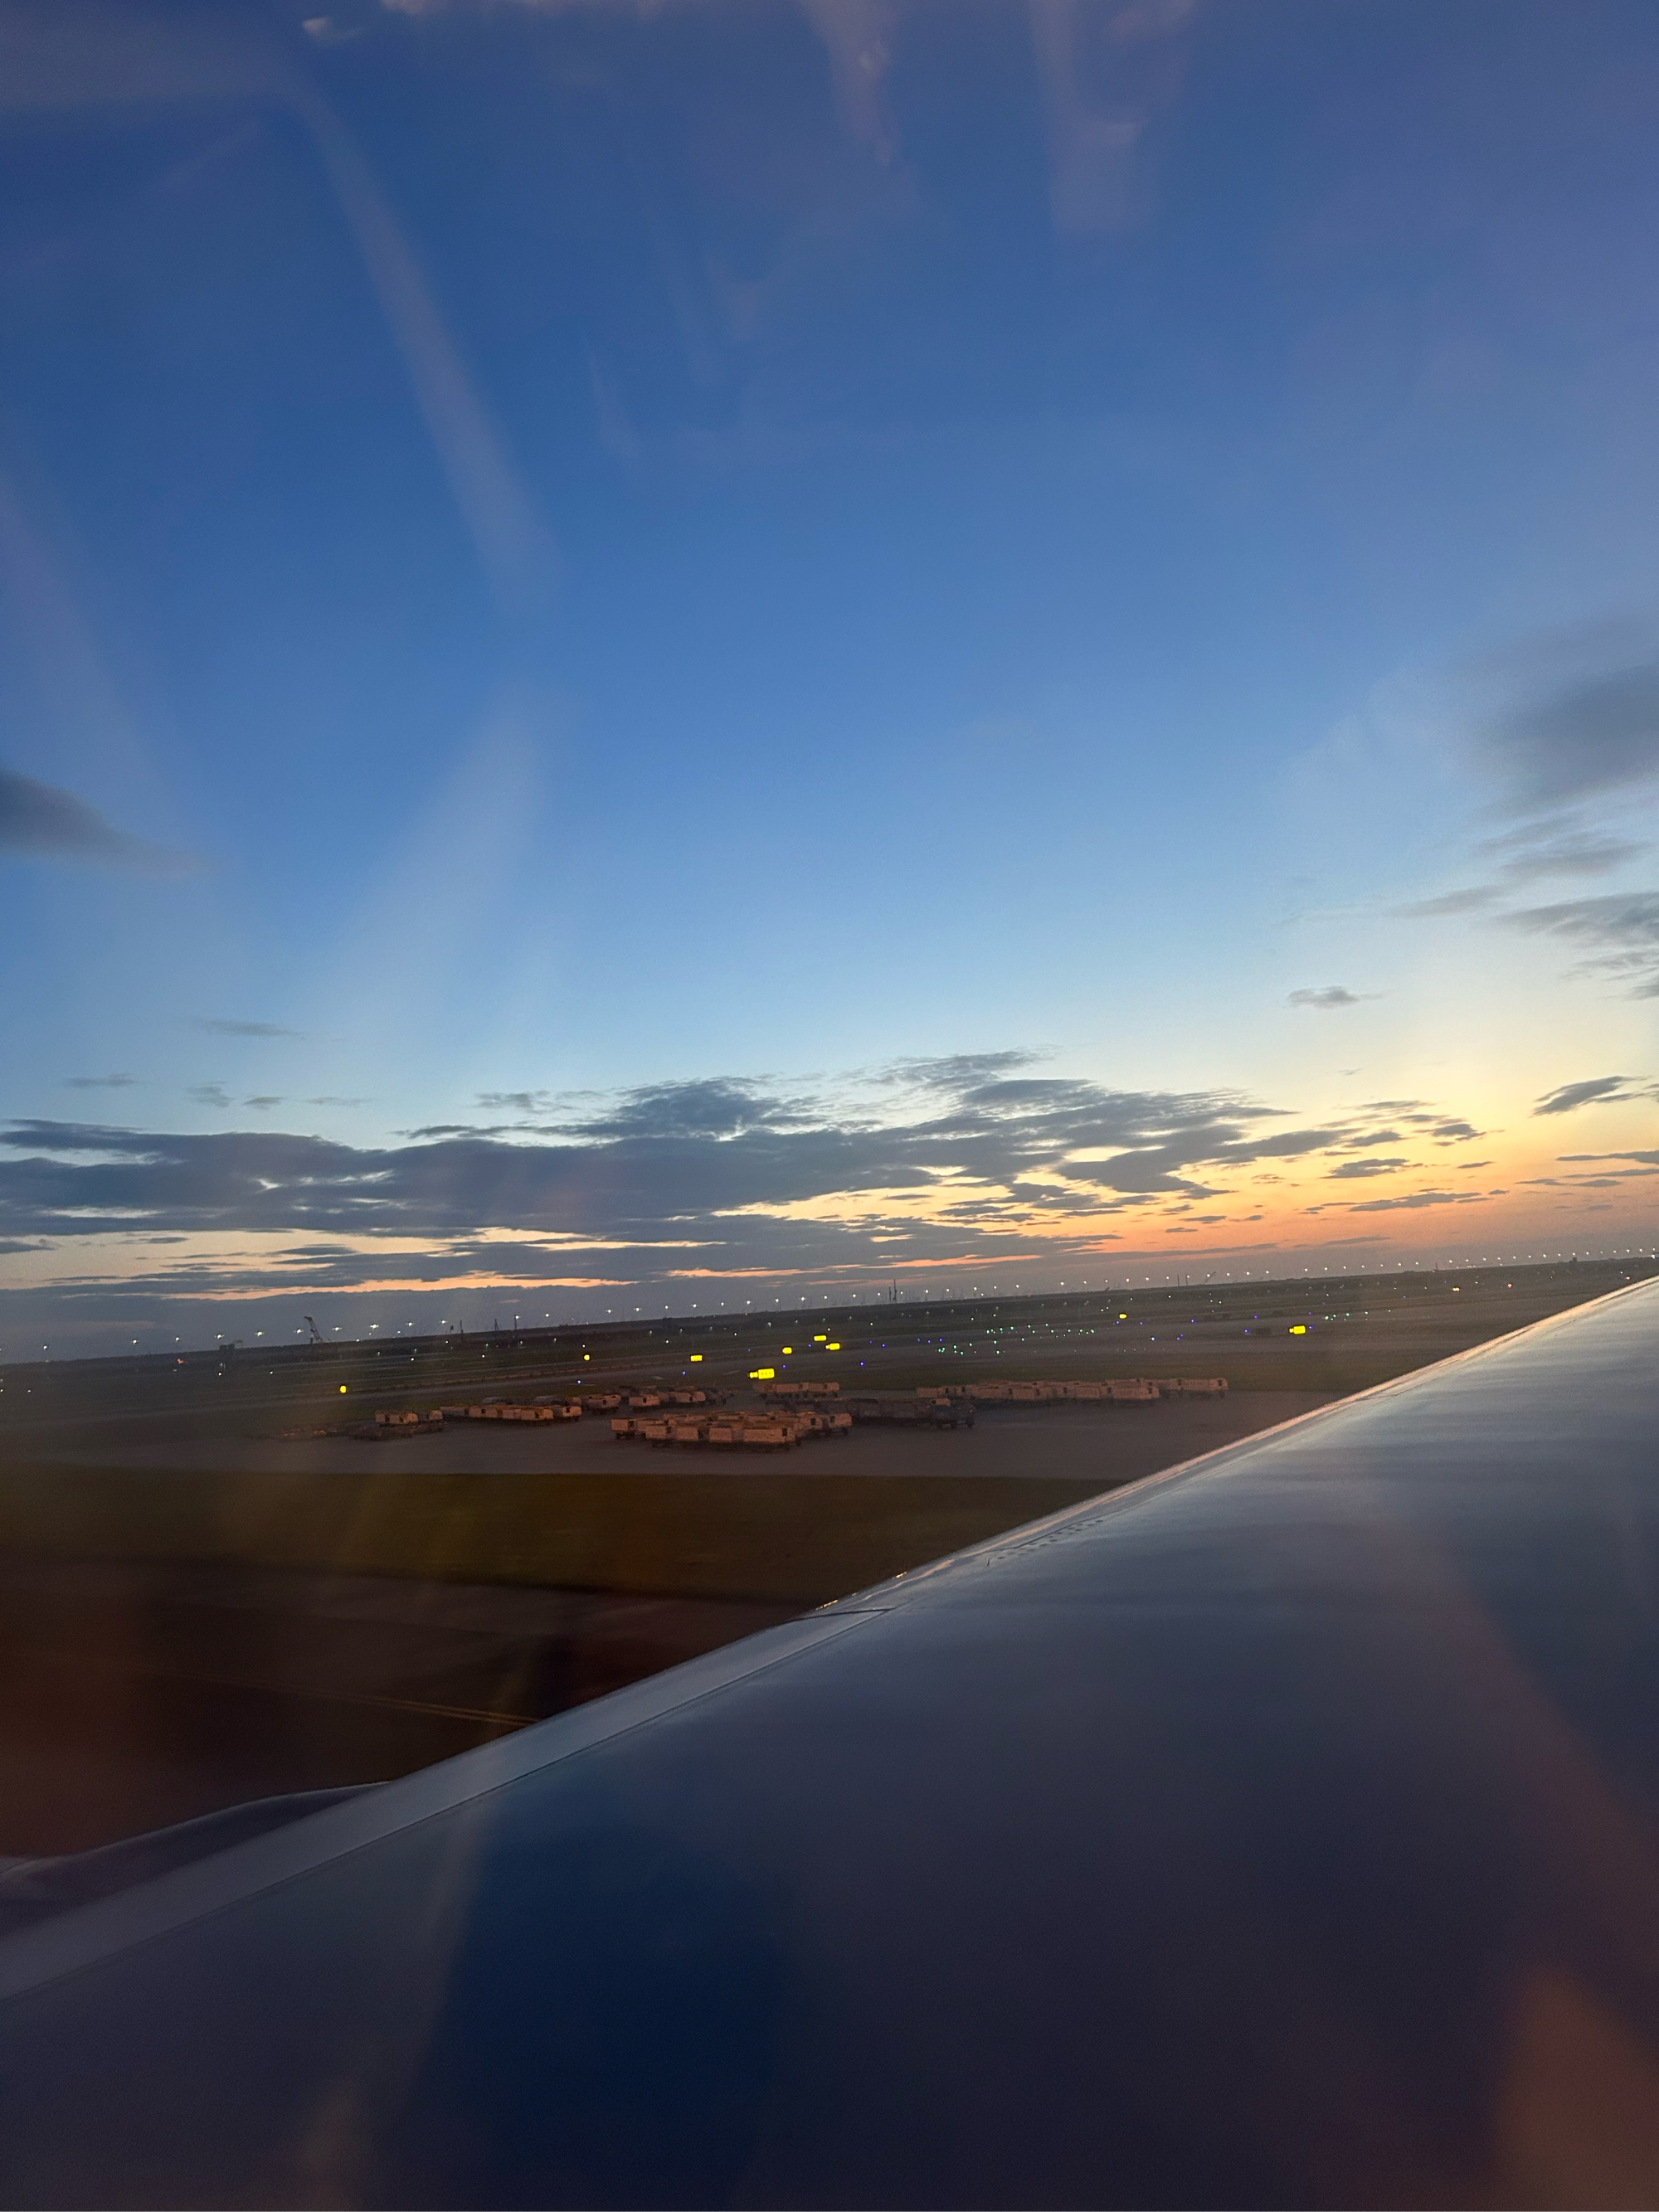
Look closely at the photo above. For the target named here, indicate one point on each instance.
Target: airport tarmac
(1110, 1445)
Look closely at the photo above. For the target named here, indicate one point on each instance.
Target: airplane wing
(1279, 1831)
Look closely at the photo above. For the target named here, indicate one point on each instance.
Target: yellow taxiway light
(695, 1357)
(820, 1340)
(1299, 1330)
(343, 1389)
(832, 1347)
(788, 1348)
(762, 1374)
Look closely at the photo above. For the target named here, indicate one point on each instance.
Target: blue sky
(745, 645)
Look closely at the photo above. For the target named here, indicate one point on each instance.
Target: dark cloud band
(38, 821)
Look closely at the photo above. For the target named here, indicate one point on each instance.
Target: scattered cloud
(100, 1082)
(973, 1161)
(38, 821)
(1444, 1129)
(1419, 1198)
(1592, 1090)
(1333, 996)
(953, 1158)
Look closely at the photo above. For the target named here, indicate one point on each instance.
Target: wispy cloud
(1620, 929)
(1547, 850)
(217, 1025)
(1471, 900)
(100, 1082)
(1556, 847)
(38, 821)
(1624, 927)
(957, 1071)
(1580, 733)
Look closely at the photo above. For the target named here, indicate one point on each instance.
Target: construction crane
(316, 1333)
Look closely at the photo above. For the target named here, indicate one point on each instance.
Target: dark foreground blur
(136, 1694)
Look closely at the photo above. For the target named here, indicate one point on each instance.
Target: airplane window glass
(781, 781)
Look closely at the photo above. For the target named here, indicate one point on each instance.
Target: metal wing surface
(1281, 1830)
